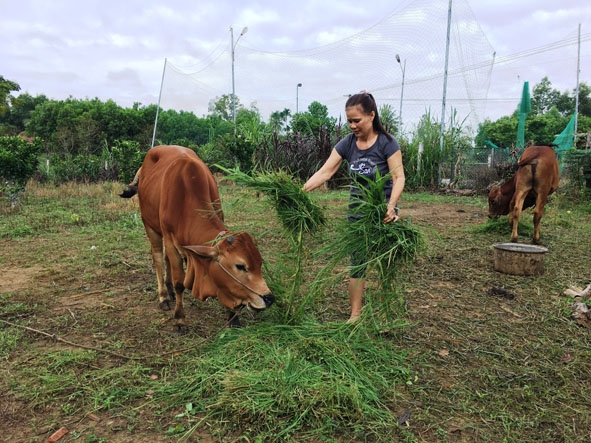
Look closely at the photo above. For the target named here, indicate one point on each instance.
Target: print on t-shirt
(365, 167)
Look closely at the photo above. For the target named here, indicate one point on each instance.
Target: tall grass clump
(295, 210)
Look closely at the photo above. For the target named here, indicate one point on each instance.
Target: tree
(500, 132)
(312, 121)
(224, 107)
(389, 119)
(543, 97)
(584, 99)
(6, 87)
(15, 120)
(543, 129)
(278, 120)
(565, 104)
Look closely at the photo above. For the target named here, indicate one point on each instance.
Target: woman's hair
(368, 104)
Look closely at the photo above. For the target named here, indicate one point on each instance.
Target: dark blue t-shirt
(365, 162)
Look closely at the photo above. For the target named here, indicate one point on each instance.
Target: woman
(368, 149)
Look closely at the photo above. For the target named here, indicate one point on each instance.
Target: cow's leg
(515, 214)
(168, 280)
(538, 212)
(157, 249)
(178, 279)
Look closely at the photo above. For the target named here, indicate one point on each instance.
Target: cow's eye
(241, 268)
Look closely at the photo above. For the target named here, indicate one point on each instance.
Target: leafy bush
(18, 163)
(215, 154)
(76, 168)
(577, 164)
(300, 154)
(127, 159)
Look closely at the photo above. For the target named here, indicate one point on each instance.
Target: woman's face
(360, 123)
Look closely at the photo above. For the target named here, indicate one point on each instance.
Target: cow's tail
(132, 187)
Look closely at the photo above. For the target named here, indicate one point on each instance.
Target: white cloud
(116, 49)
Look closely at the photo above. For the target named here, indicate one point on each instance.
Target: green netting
(565, 140)
(524, 109)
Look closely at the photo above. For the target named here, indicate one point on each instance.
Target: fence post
(419, 156)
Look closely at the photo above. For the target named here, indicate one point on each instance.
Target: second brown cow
(535, 179)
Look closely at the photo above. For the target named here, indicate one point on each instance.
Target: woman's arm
(398, 179)
(330, 167)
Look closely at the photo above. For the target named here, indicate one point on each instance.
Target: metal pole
(233, 46)
(298, 96)
(233, 87)
(577, 90)
(403, 68)
(158, 107)
(444, 87)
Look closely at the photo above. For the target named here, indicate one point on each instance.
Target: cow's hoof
(180, 329)
(165, 305)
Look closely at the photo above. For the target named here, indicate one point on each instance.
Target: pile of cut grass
(279, 383)
(295, 210)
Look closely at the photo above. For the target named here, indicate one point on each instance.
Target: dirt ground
(130, 303)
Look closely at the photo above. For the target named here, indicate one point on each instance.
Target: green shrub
(127, 159)
(18, 163)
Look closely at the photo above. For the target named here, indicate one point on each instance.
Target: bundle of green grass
(382, 245)
(295, 210)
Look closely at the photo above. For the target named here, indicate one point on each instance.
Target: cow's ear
(204, 251)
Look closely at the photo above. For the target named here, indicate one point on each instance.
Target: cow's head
(231, 270)
(497, 203)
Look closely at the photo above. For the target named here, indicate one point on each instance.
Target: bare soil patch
(18, 278)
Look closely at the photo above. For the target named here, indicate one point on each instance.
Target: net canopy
(416, 31)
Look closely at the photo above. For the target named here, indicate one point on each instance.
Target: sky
(117, 49)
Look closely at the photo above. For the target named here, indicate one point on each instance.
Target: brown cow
(535, 179)
(182, 215)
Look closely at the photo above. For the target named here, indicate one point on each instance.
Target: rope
(237, 280)
(219, 260)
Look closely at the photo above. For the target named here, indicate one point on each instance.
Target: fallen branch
(58, 338)
(114, 354)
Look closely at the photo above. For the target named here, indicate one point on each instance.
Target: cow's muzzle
(269, 299)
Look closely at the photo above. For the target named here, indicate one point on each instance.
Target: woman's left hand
(391, 215)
